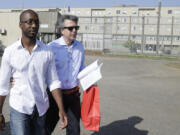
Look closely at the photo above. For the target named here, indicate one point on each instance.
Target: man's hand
(2, 122)
(64, 120)
(95, 84)
(57, 94)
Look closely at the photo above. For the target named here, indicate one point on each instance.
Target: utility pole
(22, 4)
(158, 27)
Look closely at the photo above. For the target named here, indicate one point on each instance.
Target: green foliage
(129, 44)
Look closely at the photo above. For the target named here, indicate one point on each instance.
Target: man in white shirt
(32, 66)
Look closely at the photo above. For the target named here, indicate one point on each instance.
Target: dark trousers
(71, 104)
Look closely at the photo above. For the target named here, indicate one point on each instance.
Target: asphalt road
(137, 97)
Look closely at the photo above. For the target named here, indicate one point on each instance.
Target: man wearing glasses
(32, 66)
(69, 59)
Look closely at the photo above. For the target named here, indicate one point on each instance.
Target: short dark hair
(26, 11)
(61, 20)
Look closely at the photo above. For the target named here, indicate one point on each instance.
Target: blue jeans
(23, 124)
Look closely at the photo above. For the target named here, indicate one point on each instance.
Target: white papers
(90, 75)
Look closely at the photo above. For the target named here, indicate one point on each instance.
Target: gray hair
(61, 20)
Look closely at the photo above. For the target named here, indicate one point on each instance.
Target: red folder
(90, 112)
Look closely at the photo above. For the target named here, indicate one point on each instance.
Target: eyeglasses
(31, 22)
(72, 27)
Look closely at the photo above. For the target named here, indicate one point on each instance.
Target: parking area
(137, 97)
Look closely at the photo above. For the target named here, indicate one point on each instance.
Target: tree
(132, 45)
(129, 44)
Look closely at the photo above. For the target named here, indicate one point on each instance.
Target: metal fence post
(129, 34)
(103, 35)
(142, 36)
(172, 32)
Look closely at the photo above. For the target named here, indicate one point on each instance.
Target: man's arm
(2, 120)
(54, 84)
(5, 74)
(57, 94)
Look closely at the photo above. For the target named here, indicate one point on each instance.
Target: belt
(70, 91)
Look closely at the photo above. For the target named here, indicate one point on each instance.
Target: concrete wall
(10, 23)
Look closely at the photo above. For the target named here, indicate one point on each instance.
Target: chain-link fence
(127, 35)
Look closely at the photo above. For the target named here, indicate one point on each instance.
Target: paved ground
(137, 97)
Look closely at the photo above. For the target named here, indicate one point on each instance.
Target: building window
(118, 28)
(108, 12)
(152, 38)
(72, 12)
(177, 12)
(176, 20)
(169, 11)
(147, 20)
(167, 38)
(101, 28)
(78, 12)
(151, 29)
(108, 20)
(178, 38)
(124, 12)
(92, 28)
(134, 28)
(123, 28)
(134, 37)
(124, 20)
(119, 19)
(134, 20)
(133, 12)
(88, 12)
(168, 29)
(118, 11)
(86, 28)
(169, 20)
(177, 30)
(95, 20)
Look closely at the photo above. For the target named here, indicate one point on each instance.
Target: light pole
(158, 27)
(22, 4)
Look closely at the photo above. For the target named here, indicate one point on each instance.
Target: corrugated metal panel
(48, 21)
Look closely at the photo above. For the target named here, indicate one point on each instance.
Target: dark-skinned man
(32, 66)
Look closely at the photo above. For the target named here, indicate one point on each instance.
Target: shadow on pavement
(7, 130)
(122, 127)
